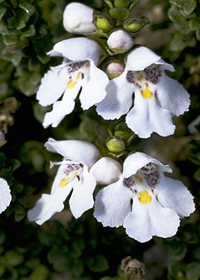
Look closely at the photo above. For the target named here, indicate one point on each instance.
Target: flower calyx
(115, 145)
(104, 24)
(135, 24)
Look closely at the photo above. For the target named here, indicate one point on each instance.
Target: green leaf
(30, 32)
(2, 237)
(2, 11)
(40, 111)
(193, 270)
(189, 6)
(176, 271)
(14, 163)
(179, 42)
(98, 263)
(27, 7)
(195, 24)
(198, 34)
(21, 19)
(10, 39)
(196, 253)
(177, 250)
(197, 175)
(40, 273)
(2, 143)
(13, 258)
(58, 259)
(180, 22)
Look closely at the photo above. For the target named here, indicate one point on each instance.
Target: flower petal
(165, 65)
(5, 195)
(93, 87)
(79, 48)
(172, 96)
(118, 99)
(146, 221)
(140, 58)
(82, 196)
(136, 161)
(147, 117)
(53, 85)
(62, 108)
(106, 170)
(174, 195)
(58, 113)
(48, 205)
(75, 150)
(112, 204)
(45, 208)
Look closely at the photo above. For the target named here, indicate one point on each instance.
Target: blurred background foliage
(65, 248)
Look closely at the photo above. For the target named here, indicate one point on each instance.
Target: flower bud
(122, 131)
(115, 145)
(103, 23)
(122, 3)
(119, 13)
(106, 170)
(120, 41)
(135, 24)
(134, 3)
(115, 69)
(78, 18)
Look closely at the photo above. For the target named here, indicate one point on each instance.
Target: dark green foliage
(82, 249)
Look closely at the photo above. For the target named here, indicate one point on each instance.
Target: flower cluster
(137, 196)
(119, 79)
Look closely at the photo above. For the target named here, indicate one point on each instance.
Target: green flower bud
(135, 24)
(119, 13)
(109, 3)
(122, 131)
(133, 4)
(115, 145)
(103, 23)
(122, 3)
(122, 134)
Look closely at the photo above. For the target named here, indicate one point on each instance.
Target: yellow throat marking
(144, 197)
(65, 182)
(146, 93)
(72, 83)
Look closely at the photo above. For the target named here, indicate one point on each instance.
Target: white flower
(120, 40)
(157, 97)
(143, 200)
(78, 18)
(77, 72)
(73, 176)
(5, 195)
